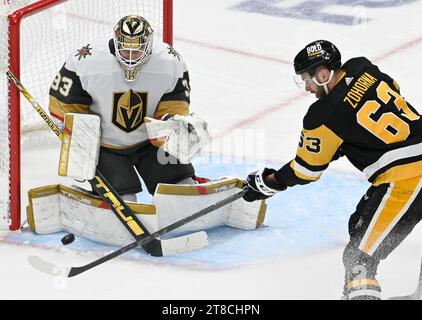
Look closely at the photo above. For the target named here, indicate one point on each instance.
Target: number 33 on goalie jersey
(366, 119)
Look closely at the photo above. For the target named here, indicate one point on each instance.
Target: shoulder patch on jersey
(172, 51)
(83, 52)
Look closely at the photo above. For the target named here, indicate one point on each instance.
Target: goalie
(121, 82)
(118, 101)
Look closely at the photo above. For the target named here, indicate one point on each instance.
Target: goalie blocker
(80, 146)
(58, 208)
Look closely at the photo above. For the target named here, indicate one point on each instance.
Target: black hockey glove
(258, 186)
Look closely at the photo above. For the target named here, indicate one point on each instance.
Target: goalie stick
(68, 272)
(417, 295)
(104, 189)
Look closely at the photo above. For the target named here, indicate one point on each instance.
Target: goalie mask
(133, 37)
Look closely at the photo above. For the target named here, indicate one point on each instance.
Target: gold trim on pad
(86, 198)
(195, 190)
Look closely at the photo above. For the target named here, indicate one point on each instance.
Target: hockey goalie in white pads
(58, 208)
(80, 146)
(184, 137)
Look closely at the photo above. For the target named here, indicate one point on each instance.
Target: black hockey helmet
(315, 54)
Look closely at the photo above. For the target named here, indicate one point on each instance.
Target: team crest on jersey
(129, 109)
(84, 52)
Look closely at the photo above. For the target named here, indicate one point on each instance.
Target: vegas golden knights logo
(129, 109)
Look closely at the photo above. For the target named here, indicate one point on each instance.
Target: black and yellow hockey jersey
(366, 119)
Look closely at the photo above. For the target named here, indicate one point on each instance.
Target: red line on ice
(234, 51)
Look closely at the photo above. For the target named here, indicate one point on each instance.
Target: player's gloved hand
(259, 187)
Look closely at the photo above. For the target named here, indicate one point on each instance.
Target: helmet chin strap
(324, 84)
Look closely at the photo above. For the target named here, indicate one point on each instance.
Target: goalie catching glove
(184, 137)
(260, 187)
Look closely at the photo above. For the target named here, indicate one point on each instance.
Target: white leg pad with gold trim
(243, 214)
(175, 202)
(57, 208)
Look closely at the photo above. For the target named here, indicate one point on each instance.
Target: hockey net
(35, 39)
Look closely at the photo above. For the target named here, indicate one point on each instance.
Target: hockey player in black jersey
(359, 113)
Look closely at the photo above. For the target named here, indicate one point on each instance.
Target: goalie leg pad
(247, 215)
(58, 208)
(176, 202)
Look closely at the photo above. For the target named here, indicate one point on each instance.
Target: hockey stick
(68, 272)
(101, 185)
(417, 295)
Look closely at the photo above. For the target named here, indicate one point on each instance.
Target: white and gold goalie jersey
(92, 81)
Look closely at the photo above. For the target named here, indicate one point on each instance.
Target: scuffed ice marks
(357, 10)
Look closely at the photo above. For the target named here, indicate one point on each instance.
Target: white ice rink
(239, 55)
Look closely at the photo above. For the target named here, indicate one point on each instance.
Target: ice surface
(239, 53)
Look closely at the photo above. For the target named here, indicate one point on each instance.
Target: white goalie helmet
(133, 38)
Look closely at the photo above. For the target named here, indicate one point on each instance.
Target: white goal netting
(46, 39)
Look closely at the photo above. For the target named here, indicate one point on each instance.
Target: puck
(67, 239)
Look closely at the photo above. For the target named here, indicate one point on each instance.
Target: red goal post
(21, 44)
